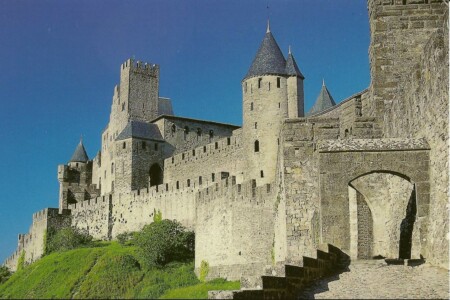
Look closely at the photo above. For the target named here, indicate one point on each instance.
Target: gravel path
(375, 279)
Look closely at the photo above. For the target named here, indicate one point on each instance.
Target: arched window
(278, 82)
(259, 82)
(256, 146)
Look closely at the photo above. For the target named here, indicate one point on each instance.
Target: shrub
(65, 239)
(204, 270)
(125, 238)
(5, 273)
(162, 242)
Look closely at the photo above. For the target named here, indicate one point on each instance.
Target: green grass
(200, 290)
(106, 270)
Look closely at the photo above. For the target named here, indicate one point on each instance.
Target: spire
(291, 66)
(289, 51)
(323, 102)
(268, 25)
(80, 153)
(268, 59)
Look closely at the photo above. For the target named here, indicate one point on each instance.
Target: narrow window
(173, 160)
(156, 146)
(188, 183)
(228, 141)
(245, 87)
(211, 134)
(256, 146)
(99, 183)
(144, 145)
(199, 132)
(200, 180)
(167, 186)
(76, 165)
(204, 149)
(251, 106)
(174, 129)
(213, 177)
(123, 106)
(278, 141)
(262, 174)
(256, 125)
(186, 132)
(182, 156)
(278, 82)
(216, 145)
(112, 168)
(105, 174)
(279, 105)
(124, 145)
(269, 86)
(193, 152)
(178, 185)
(259, 82)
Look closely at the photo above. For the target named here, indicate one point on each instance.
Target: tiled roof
(324, 101)
(292, 68)
(80, 154)
(140, 130)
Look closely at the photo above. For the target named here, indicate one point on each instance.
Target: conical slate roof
(292, 68)
(80, 154)
(269, 59)
(324, 101)
(140, 130)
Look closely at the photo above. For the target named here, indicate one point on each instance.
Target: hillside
(108, 270)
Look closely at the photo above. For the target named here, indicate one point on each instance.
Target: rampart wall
(224, 155)
(234, 228)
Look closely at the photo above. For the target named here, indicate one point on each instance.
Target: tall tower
(272, 91)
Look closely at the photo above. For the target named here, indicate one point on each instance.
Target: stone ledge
(361, 145)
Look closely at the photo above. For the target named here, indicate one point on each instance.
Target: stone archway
(156, 175)
(382, 214)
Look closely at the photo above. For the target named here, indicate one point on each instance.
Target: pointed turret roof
(269, 59)
(291, 66)
(324, 101)
(80, 154)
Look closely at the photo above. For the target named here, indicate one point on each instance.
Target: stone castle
(368, 175)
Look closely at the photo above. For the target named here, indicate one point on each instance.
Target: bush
(66, 239)
(125, 238)
(162, 242)
(5, 273)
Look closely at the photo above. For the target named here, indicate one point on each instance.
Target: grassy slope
(107, 271)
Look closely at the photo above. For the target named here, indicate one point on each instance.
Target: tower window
(259, 82)
(193, 152)
(262, 173)
(186, 132)
(251, 106)
(269, 86)
(188, 183)
(279, 105)
(178, 185)
(211, 134)
(245, 87)
(213, 177)
(174, 129)
(156, 146)
(256, 125)
(182, 156)
(200, 180)
(124, 145)
(204, 149)
(144, 145)
(256, 146)
(112, 168)
(278, 82)
(216, 145)
(228, 141)
(199, 131)
(173, 160)
(123, 106)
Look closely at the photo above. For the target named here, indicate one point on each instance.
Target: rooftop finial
(268, 25)
(323, 82)
(81, 138)
(289, 49)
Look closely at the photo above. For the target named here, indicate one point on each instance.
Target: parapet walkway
(374, 279)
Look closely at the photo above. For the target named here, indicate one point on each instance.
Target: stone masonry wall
(409, 56)
(234, 228)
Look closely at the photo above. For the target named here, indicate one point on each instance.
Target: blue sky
(60, 61)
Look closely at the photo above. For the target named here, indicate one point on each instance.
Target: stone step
(273, 283)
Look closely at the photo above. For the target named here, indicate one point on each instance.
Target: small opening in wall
(173, 159)
(269, 86)
(123, 106)
(278, 82)
(182, 156)
(239, 252)
(278, 141)
(156, 146)
(259, 82)
(178, 185)
(262, 173)
(188, 183)
(211, 134)
(245, 87)
(216, 145)
(144, 145)
(124, 145)
(200, 180)
(204, 149)
(404, 2)
(256, 146)
(199, 132)
(256, 125)
(174, 129)
(167, 187)
(279, 105)
(251, 106)
(112, 168)
(213, 177)
(193, 152)
(186, 132)
(76, 164)
(228, 141)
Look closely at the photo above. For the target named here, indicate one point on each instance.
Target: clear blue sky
(60, 61)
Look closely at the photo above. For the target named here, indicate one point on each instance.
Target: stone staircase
(287, 281)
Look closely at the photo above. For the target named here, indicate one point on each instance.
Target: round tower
(268, 91)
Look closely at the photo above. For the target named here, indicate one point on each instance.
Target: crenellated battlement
(414, 3)
(141, 67)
